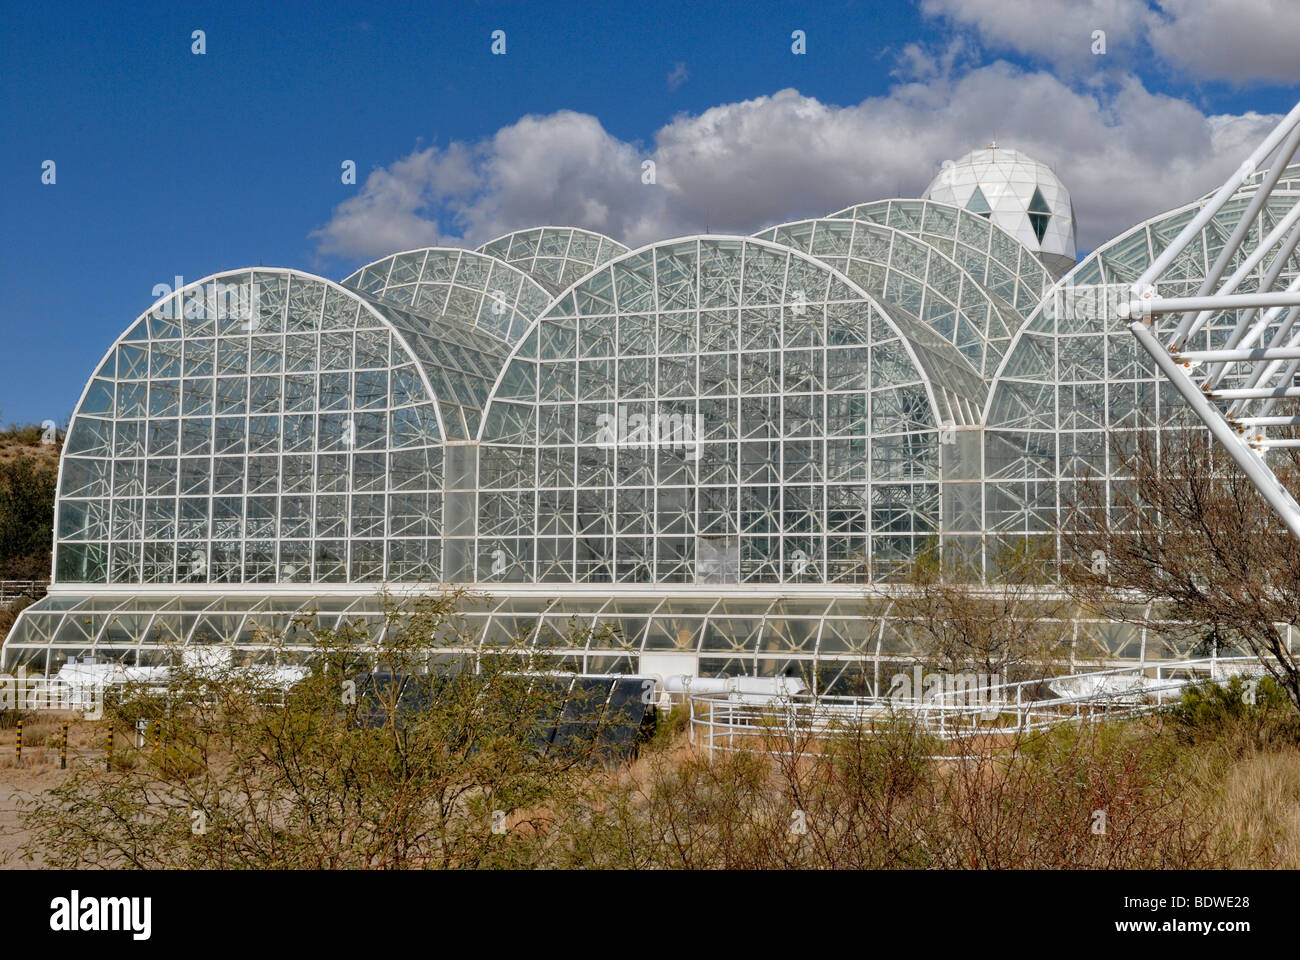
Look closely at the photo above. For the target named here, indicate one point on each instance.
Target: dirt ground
(39, 772)
(17, 786)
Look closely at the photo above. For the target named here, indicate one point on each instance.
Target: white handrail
(730, 724)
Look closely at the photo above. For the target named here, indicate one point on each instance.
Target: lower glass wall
(850, 644)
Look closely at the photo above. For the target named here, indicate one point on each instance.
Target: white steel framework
(1260, 356)
(830, 400)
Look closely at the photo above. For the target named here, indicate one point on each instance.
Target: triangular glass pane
(1039, 214)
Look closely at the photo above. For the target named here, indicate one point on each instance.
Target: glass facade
(262, 426)
(472, 288)
(994, 257)
(1074, 380)
(915, 277)
(554, 256)
(712, 410)
(727, 447)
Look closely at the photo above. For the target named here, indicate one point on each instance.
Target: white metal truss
(1235, 386)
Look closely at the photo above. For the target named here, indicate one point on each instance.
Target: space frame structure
(728, 448)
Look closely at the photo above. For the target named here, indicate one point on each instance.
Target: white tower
(1019, 194)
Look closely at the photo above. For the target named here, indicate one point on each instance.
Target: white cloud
(1124, 154)
(1236, 40)
(563, 168)
(395, 207)
(1240, 41)
(678, 76)
(919, 63)
(1059, 32)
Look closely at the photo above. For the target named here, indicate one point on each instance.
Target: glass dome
(710, 409)
(554, 256)
(259, 426)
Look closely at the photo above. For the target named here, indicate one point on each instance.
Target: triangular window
(977, 204)
(1039, 214)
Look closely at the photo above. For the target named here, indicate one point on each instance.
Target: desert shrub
(27, 488)
(414, 753)
(1237, 715)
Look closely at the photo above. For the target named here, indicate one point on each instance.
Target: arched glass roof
(712, 409)
(555, 256)
(840, 645)
(460, 362)
(259, 426)
(1290, 181)
(914, 275)
(472, 288)
(991, 255)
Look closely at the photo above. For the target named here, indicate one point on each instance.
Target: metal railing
(730, 722)
(11, 590)
(34, 694)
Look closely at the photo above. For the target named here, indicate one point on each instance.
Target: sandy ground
(17, 786)
(39, 772)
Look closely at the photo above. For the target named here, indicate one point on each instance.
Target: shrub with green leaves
(447, 763)
(1256, 709)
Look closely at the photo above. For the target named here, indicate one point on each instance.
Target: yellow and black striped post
(63, 750)
(108, 757)
(157, 735)
(18, 746)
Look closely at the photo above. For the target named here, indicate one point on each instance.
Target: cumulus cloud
(926, 65)
(1125, 154)
(563, 168)
(1239, 41)
(1060, 32)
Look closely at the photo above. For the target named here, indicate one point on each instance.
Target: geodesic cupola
(1019, 194)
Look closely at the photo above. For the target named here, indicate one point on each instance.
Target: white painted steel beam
(1235, 384)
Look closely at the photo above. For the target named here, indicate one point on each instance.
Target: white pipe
(1257, 201)
(1254, 393)
(1267, 484)
(1215, 204)
(1291, 369)
(1265, 371)
(1155, 306)
(1247, 267)
(1267, 421)
(1240, 355)
(1241, 337)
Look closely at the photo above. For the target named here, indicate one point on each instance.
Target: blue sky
(169, 163)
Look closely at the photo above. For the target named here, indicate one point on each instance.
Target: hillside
(17, 442)
(28, 476)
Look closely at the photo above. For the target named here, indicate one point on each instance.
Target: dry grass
(672, 808)
(1254, 802)
(13, 447)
